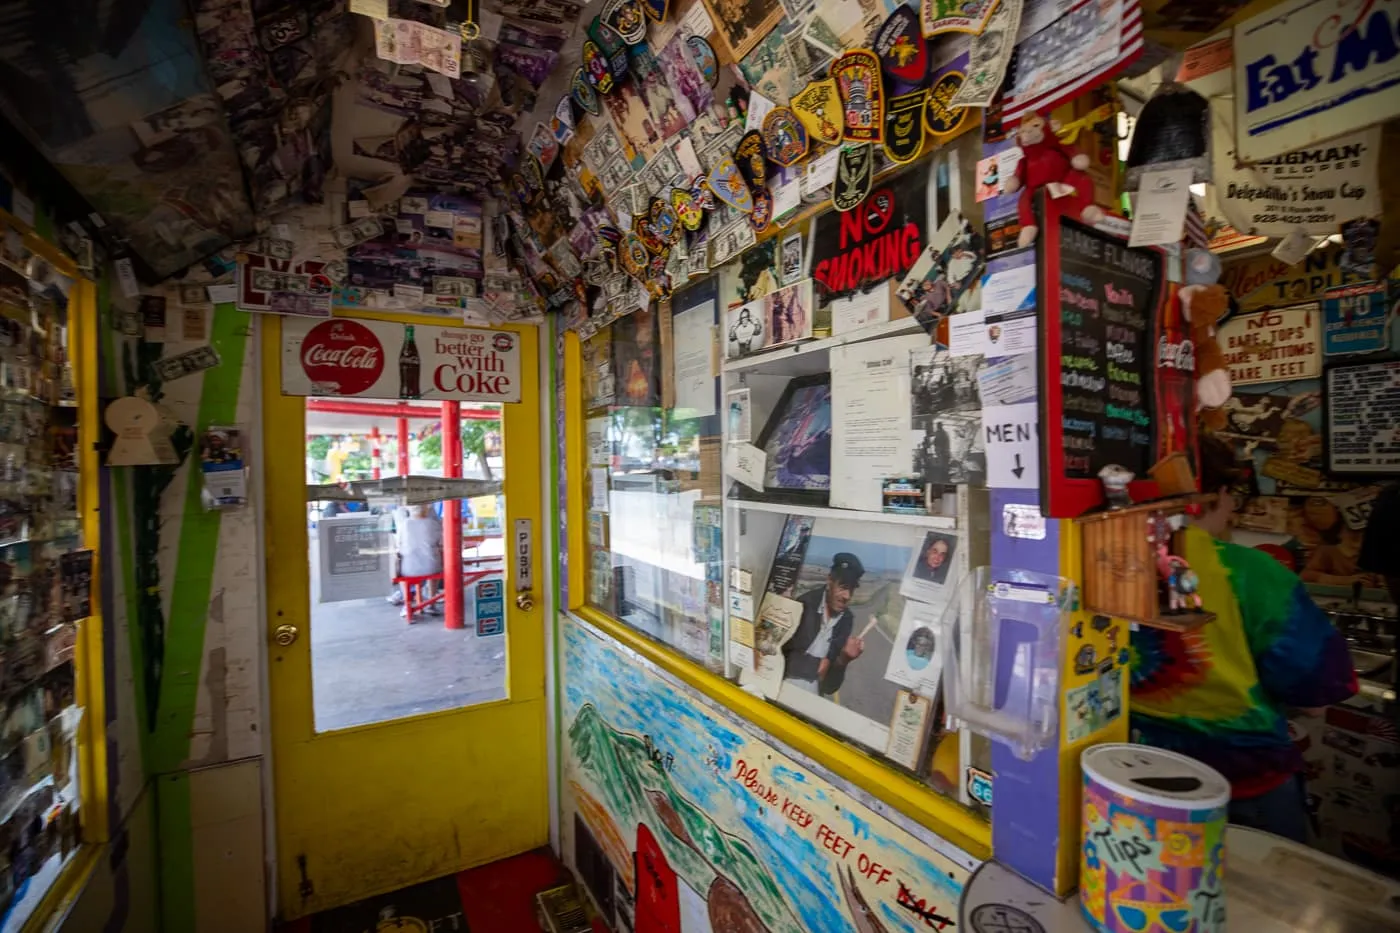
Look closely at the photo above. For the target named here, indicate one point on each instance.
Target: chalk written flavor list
(1105, 291)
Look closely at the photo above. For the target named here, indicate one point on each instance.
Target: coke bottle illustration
(409, 365)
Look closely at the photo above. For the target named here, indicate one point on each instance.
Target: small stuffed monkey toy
(1203, 306)
(1047, 161)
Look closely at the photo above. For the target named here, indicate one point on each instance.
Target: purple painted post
(1026, 794)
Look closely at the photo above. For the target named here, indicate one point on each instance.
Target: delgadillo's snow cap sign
(344, 357)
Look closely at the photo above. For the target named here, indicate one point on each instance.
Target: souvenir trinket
(818, 106)
(627, 18)
(940, 119)
(687, 207)
(901, 47)
(729, 186)
(904, 127)
(784, 136)
(857, 75)
(634, 256)
(855, 175)
(664, 222)
(584, 93)
(762, 214)
(706, 62)
(751, 155)
(595, 68)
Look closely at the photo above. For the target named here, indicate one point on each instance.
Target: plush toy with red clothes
(1047, 162)
(1205, 304)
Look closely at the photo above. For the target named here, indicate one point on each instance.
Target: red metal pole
(452, 518)
(347, 406)
(403, 446)
(376, 455)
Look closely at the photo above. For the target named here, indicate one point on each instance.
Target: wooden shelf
(1172, 622)
(947, 522)
(804, 357)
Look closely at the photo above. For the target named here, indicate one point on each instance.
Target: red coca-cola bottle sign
(342, 357)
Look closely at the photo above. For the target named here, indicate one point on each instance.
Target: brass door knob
(286, 634)
(525, 602)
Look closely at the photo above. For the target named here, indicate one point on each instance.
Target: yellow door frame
(374, 808)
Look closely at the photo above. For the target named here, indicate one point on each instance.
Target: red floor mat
(495, 898)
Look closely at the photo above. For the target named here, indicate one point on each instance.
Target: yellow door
(405, 795)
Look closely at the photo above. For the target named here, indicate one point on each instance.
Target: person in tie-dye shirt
(1221, 693)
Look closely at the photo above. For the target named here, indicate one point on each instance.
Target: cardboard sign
(1314, 189)
(1012, 435)
(1308, 71)
(1273, 346)
(345, 357)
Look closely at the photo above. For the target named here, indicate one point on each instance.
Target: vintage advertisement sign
(1314, 189)
(1363, 418)
(352, 358)
(1307, 71)
(1273, 346)
(1355, 319)
(1265, 282)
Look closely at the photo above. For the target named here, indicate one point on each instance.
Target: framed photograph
(789, 312)
(792, 256)
(931, 568)
(846, 574)
(636, 356)
(797, 442)
(742, 24)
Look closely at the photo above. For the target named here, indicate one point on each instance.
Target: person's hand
(854, 646)
(823, 667)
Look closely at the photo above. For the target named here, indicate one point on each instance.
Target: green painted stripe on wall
(199, 545)
(175, 853)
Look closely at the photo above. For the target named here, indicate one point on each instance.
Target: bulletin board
(1100, 348)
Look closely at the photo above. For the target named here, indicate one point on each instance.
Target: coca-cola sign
(342, 357)
(386, 360)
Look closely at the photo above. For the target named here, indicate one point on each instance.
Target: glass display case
(46, 573)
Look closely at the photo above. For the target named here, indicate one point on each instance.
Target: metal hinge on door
(306, 888)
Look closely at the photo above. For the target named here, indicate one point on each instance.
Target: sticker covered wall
(683, 820)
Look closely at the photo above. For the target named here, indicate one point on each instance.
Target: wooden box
(1120, 566)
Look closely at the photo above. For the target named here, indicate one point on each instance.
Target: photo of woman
(935, 558)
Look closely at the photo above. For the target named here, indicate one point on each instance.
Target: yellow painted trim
(574, 453)
(501, 799)
(52, 910)
(37, 244)
(1070, 776)
(90, 688)
(920, 803)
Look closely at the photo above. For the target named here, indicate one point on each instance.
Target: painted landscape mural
(679, 821)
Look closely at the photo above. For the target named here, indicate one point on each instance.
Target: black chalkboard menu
(1099, 355)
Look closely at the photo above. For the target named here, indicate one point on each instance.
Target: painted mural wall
(678, 818)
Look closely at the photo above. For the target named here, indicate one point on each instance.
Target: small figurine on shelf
(1115, 481)
(1179, 579)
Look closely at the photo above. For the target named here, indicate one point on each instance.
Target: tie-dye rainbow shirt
(1220, 693)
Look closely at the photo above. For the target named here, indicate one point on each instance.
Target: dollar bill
(990, 55)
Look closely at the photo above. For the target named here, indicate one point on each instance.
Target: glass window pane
(653, 486)
(384, 642)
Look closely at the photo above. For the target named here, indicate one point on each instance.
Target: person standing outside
(822, 647)
(420, 550)
(1221, 693)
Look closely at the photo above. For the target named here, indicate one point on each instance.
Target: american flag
(1037, 78)
(1194, 233)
